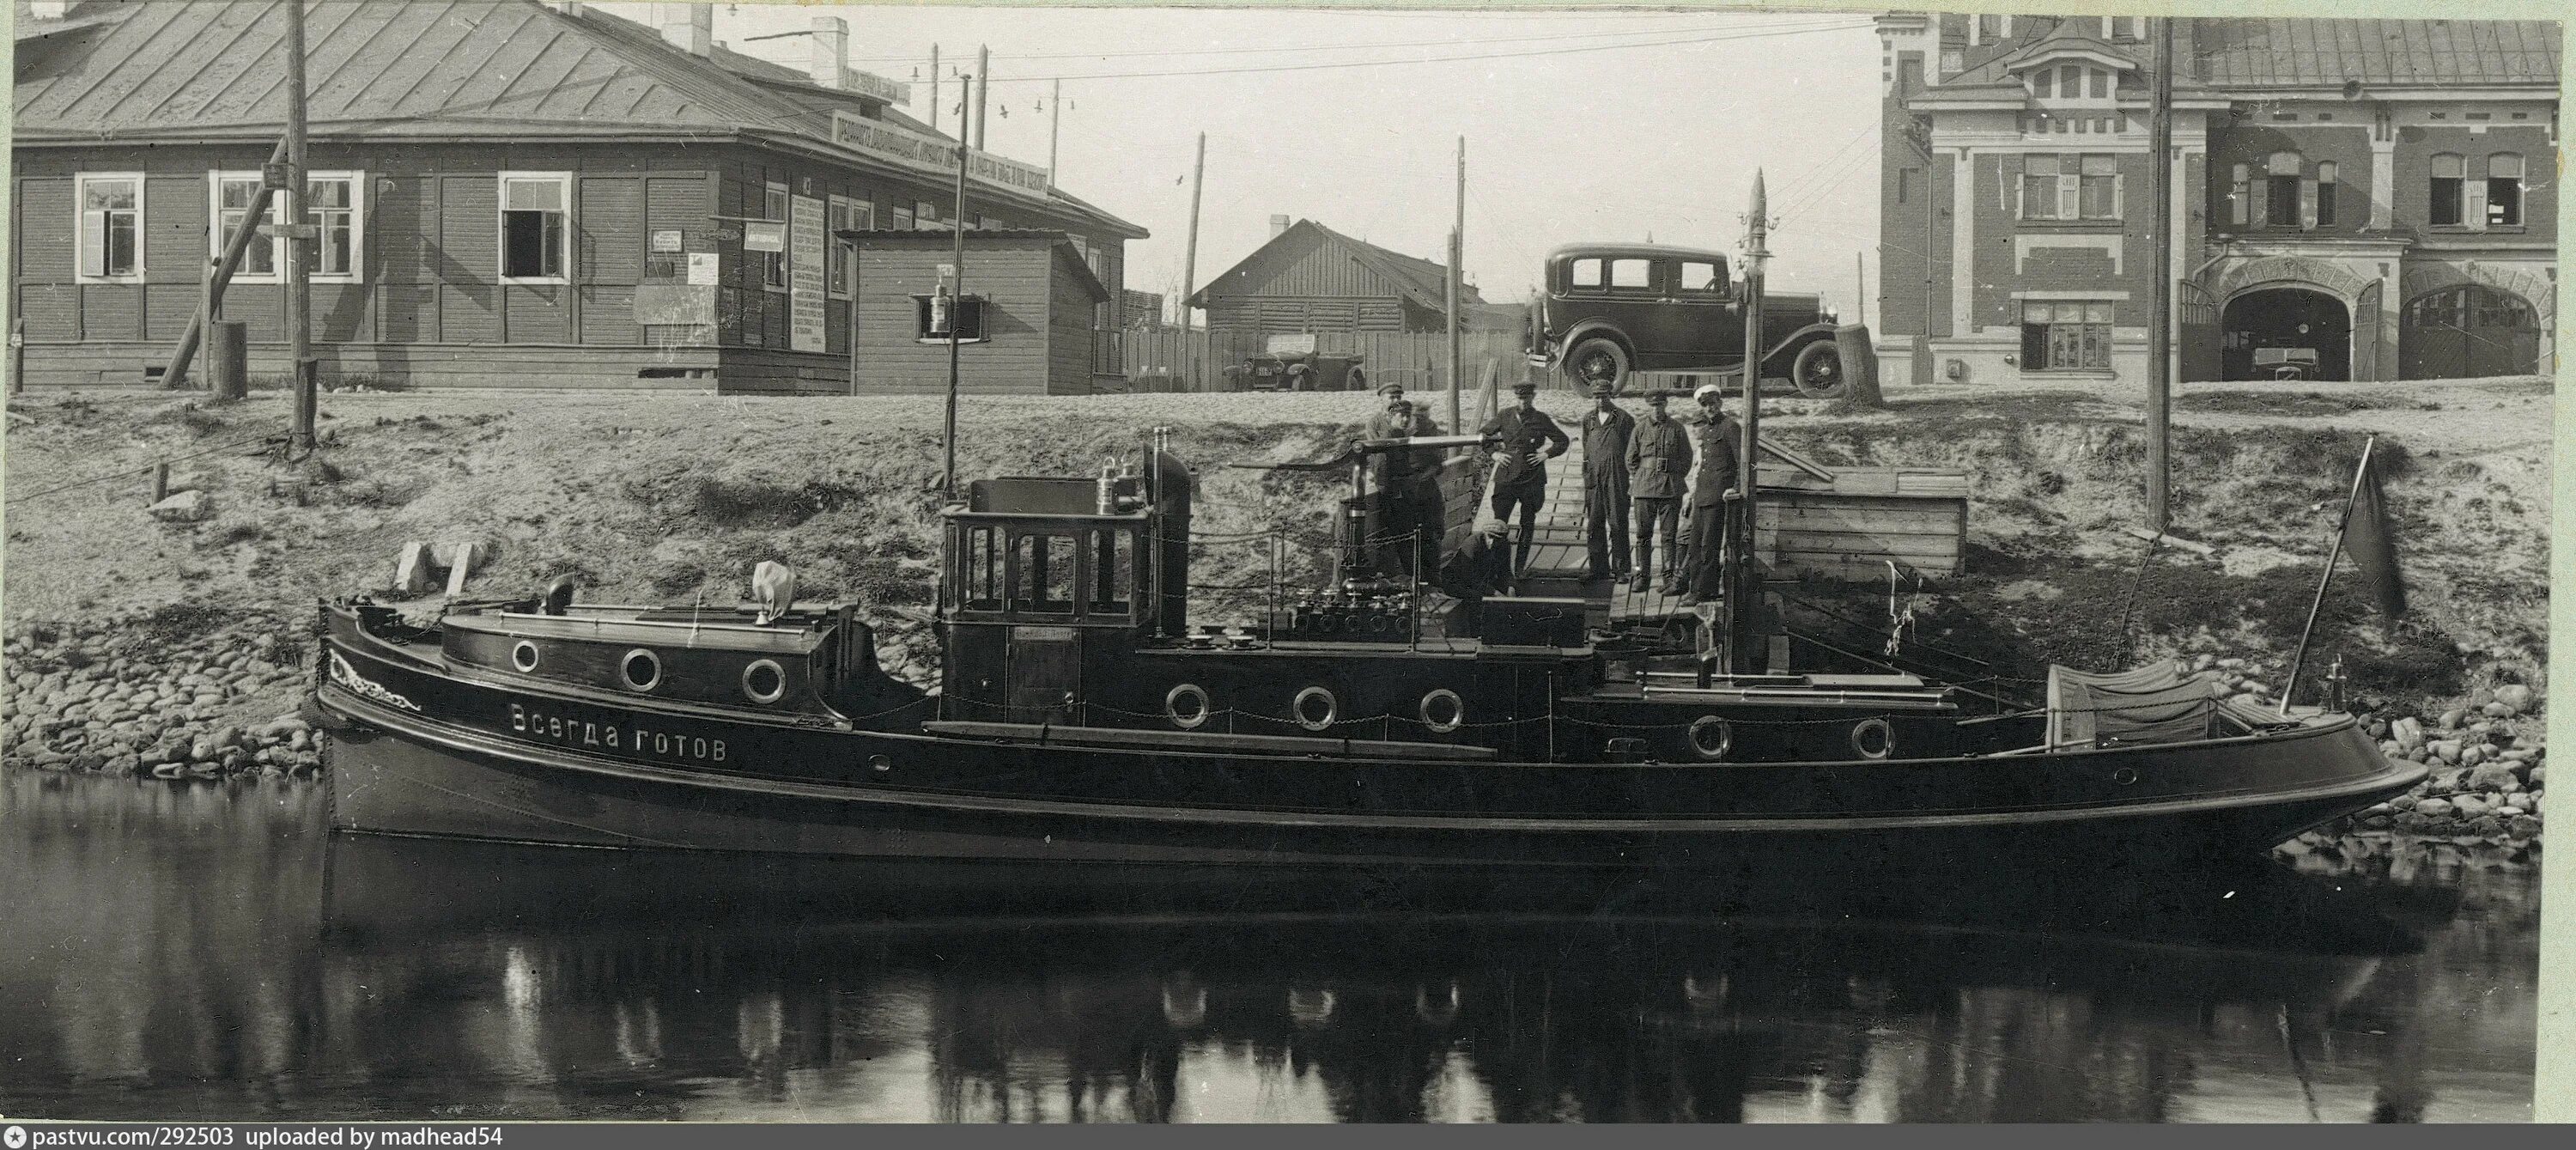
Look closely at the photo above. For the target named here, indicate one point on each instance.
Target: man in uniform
(1520, 470)
(1408, 490)
(1606, 429)
(1720, 441)
(1385, 425)
(1659, 461)
(1478, 568)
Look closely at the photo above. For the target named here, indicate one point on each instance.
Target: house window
(2326, 194)
(2504, 190)
(2062, 335)
(903, 220)
(2281, 190)
(847, 215)
(2070, 81)
(2446, 190)
(111, 225)
(2101, 187)
(2039, 187)
(936, 312)
(1989, 29)
(925, 216)
(233, 194)
(337, 203)
(773, 265)
(535, 226)
(2240, 193)
(2097, 83)
(1953, 61)
(2043, 83)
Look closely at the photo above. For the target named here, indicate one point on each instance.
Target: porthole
(1306, 712)
(524, 656)
(1711, 737)
(1873, 739)
(2124, 776)
(642, 670)
(1443, 711)
(1186, 706)
(880, 764)
(764, 681)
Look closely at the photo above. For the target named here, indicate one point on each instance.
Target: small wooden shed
(1033, 292)
(1850, 522)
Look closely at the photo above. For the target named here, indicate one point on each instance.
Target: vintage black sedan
(1611, 310)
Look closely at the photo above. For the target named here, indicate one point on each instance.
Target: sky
(1579, 126)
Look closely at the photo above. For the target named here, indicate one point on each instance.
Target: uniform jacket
(1395, 468)
(1659, 459)
(1720, 440)
(1605, 446)
(1521, 433)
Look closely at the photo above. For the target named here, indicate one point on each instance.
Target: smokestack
(570, 8)
(690, 28)
(831, 50)
(1278, 226)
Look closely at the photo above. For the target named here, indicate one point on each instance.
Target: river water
(203, 950)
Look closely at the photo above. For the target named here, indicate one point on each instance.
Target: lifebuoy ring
(1196, 712)
(1332, 709)
(1440, 699)
(523, 657)
(641, 670)
(1707, 748)
(1866, 731)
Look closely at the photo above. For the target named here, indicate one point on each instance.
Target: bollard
(228, 358)
(160, 482)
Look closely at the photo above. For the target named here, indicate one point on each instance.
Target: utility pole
(934, 88)
(1190, 261)
(1747, 583)
(983, 80)
(2160, 305)
(1457, 276)
(1860, 289)
(956, 311)
(299, 283)
(1055, 124)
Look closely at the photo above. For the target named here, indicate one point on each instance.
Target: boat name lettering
(590, 733)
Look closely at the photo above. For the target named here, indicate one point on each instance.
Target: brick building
(509, 192)
(2355, 190)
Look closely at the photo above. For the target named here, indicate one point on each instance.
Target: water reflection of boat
(1650, 1012)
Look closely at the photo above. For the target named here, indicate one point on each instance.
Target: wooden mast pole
(956, 309)
(2334, 553)
(299, 283)
(2160, 329)
(1457, 277)
(1190, 265)
(1748, 581)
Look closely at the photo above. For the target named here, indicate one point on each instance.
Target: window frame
(776, 207)
(501, 223)
(841, 256)
(925, 216)
(2039, 340)
(2328, 177)
(2459, 191)
(217, 236)
(903, 220)
(80, 229)
(2515, 182)
(982, 315)
(1721, 286)
(1653, 284)
(357, 210)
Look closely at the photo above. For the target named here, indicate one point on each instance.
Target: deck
(1558, 566)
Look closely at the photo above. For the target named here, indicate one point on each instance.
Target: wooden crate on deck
(1850, 522)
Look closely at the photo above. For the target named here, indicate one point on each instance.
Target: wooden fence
(1170, 359)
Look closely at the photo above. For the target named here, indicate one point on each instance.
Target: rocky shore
(169, 694)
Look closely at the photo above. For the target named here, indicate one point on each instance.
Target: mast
(956, 306)
(299, 283)
(2160, 330)
(1747, 581)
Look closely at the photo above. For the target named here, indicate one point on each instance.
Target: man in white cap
(1720, 441)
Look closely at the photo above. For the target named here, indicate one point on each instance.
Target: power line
(1835, 27)
(1272, 48)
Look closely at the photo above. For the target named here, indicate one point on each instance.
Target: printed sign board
(764, 235)
(666, 239)
(805, 295)
(923, 152)
(702, 269)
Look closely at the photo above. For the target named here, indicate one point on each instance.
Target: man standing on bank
(1719, 441)
(1520, 470)
(1659, 461)
(1606, 429)
(1387, 425)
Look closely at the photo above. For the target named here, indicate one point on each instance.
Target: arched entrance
(2272, 330)
(2467, 331)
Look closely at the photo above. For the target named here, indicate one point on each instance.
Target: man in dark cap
(1518, 435)
(1385, 425)
(1605, 485)
(1408, 492)
(1720, 441)
(1659, 461)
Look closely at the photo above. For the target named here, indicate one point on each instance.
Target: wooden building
(1029, 302)
(1310, 278)
(510, 194)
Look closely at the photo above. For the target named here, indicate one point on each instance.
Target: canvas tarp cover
(2157, 704)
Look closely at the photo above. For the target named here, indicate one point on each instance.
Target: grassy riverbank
(670, 497)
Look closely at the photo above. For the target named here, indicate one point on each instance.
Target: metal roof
(1420, 280)
(2327, 53)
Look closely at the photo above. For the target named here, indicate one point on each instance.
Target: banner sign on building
(805, 276)
(764, 235)
(927, 153)
(872, 85)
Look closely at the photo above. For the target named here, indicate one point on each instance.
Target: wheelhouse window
(2446, 205)
(773, 265)
(2504, 190)
(982, 570)
(1112, 558)
(2065, 335)
(234, 193)
(111, 225)
(536, 231)
(1704, 279)
(1042, 570)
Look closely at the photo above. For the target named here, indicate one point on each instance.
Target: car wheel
(1818, 371)
(1358, 381)
(1599, 359)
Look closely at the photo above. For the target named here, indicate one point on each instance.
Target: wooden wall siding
(1069, 314)
(410, 311)
(45, 210)
(467, 313)
(469, 256)
(1325, 269)
(608, 316)
(1015, 279)
(612, 236)
(536, 313)
(174, 228)
(1289, 316)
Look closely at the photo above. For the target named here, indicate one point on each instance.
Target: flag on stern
(2373, 545)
